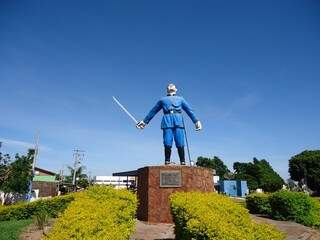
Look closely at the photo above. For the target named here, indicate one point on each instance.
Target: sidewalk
(159, 231)
(293, 230)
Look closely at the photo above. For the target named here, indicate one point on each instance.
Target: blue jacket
(174, 104)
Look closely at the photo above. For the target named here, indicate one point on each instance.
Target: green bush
(100, 212)
(258, 203)
(295, 206)
(41, 219)
(52, 206)
(213, 216)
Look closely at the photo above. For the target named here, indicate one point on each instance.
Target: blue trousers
(176, 133)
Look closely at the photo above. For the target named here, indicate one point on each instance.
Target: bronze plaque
(170, 178)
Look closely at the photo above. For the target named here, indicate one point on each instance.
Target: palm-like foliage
(82, 178)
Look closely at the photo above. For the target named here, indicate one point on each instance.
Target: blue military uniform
(172, 122)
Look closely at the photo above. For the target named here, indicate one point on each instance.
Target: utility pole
(78, 156)
(61, 179)
(35, 155)
(89, 177)
(36, 151)
(62, 170)
(61, 175)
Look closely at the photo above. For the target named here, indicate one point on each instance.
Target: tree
(83, 183)
(293, 186)
(16, 175)
(248, 172)
(216, 163)
(305, 167)
(81, 177)
(4, 167)
(258, 174)
(4, 174)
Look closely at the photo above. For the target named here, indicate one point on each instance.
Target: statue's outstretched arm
(153, 112)
(150, 115)
(186, 107)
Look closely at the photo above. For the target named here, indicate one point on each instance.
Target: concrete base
(150, 231)
(154, 205)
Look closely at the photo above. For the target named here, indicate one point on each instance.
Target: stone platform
(156, 183)
(153, 231)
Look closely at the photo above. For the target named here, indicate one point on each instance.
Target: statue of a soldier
(172, 121)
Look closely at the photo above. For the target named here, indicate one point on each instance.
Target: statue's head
(171, 89)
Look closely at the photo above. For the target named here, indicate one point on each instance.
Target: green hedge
(258, 203)
(295, 206)
(100, 212)
(53, 206)
(213, 216)
(285, 205)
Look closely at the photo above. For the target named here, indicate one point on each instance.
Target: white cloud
(22, 144)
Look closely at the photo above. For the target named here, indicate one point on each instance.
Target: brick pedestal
(154, 205)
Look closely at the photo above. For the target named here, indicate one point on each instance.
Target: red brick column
(154, 205)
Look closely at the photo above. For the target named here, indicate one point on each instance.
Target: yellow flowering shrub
(101, 212)
(25, 210)
(213, 216)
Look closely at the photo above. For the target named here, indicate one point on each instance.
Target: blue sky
(250, 70)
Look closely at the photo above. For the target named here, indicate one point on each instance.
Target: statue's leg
(167, 155)
(179, 140)
(181, 155)
(167, 142)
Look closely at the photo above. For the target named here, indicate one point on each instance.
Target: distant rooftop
(44, 178)
(41, 170)
(127, 173)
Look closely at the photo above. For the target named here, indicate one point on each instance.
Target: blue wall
(234, 188)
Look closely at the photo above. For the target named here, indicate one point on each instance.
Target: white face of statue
(171, 89)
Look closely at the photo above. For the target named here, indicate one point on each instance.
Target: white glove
(198, 126)
(141, 125)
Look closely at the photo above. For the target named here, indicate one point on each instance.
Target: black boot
(167, 155)
(181, 155)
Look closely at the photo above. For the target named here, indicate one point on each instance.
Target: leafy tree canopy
(305, 166)
(19, 174)
(81, 178)
(259, 174)
(15, 176)
(4, 167)
(215, 163)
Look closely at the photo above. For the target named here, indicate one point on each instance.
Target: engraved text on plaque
(170, 178)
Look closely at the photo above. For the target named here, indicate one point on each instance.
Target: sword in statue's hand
(125, 110)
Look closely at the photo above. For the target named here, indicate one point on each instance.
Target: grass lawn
(10, 230)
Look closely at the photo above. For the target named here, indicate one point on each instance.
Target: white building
(216, 180)
(116, 181)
